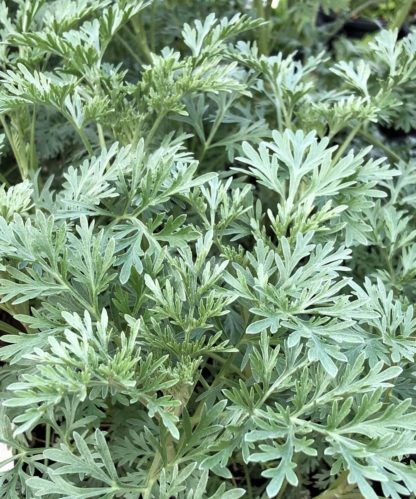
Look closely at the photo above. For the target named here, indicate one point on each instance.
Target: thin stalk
(47, 440)
(203, 382)
(323, 398)
(280, 495)
(154, 128)
(93, 311)
(122, 488)
(276, 100)
(393, 156)
(141, 38)
(280, 380)
(82, 135)
(268, 9)
(401, 15)
(84, 139)
(155, 467)
(363, 6)
(232, 367)
(287, 116)
(101, 136)
(81, 301)
(282, 492)
(153, 28)
(249, 486)
(214, 129)
(129, 49)
(152, 476)
(390, 269)
(279, 120)
(226, 367)
(33, 156)
(339, 488)
(259, 7)
(21, 162)
(347, 142)
(264, 31)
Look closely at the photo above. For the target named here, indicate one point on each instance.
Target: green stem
(93, 310)
(388, 261)
(232, 367)
(280, 495)
(279, 121)
(363, 6)
(140, 33)
(47, 440)
(84, 139)
(153, 27)
(264, 31)
(82, 135)
(21, 161)
(277, 101)
(155, 468)
(287, 116)
(226, 367)
(218, 120)
(339, 488)
(347, 142)
(101, 136)
(401, 15)
(33, 155)
(249, 486)
(280, 380)
(129, 49)
(259, 7)
(393, 156)
(154, 128)
(152, 476)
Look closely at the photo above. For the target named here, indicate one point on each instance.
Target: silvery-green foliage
(207, 252)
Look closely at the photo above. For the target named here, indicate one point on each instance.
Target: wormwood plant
(207, 253)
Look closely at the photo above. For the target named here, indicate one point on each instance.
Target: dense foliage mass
(207, 250)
